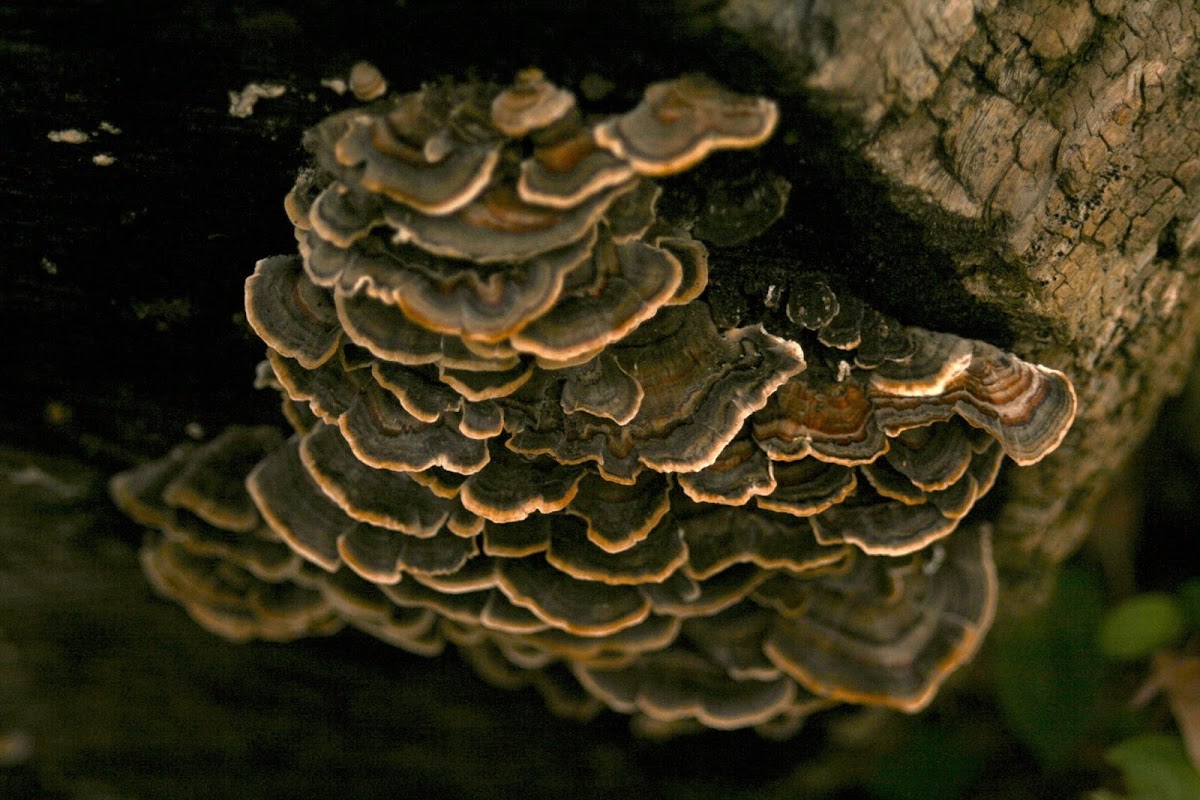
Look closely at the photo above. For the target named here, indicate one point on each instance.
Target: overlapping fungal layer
(518, 429)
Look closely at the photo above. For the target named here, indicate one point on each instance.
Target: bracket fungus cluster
(518, 430)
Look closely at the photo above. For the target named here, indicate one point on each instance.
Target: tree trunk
(1050, 148)
(1024, 172)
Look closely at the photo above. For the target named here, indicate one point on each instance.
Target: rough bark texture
(1024, 172)
(1052, 148)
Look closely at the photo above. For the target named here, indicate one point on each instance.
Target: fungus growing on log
(519, 429)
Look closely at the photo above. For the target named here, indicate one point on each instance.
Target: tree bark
(1025, 172)
(1050, 147)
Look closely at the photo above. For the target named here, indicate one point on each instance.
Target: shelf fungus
(519, 430)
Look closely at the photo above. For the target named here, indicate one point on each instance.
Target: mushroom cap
(676, 684)
(693, 259)
(366, 81)
(680, 122)
(619, 516)
(741, 471)
(328, 390)
(212, 552)
(808, 487)
(600, 387)
(679, 355)
(294, 317)
(911, 517)
(500, 226)
(296, 509)
(532, 102)
(510, 488)
(447, 296)
(894, 648)
(383, 435)
(478, 386)
(297, 203)
(811, 302)
(650, 560)
(202, 486)
(822, 418)
(1027, 407)
(718, 538)
(390, 154)
(387, 499)
(844, 329)
(234, 603)
(380, 556)
(586, 608)
(341, 214)
(632, 281)
(569, 168)
(389, 335)
(418, 390)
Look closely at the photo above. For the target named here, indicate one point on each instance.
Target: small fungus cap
(531, 103)
(680, 122)
(366, 81)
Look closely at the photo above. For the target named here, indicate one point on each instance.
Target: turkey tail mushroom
(520, 429)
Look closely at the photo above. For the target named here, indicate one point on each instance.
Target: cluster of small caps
(518, 430)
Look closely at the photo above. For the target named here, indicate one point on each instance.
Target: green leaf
(1155, 767)
(1049, 670)
(933, 764)
(1189, 600)
(1140, 625)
